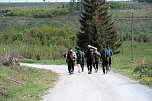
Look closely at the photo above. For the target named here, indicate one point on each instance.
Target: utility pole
(132, 37)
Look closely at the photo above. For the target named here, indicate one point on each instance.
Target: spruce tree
(97, 27)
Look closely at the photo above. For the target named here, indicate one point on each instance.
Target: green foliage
(143, 73)
(24, 84)
(74, 6)
(97, 28)
(118, 5)
(36, 12)
(123, 5)
(149, 1)
(44, 42)
(140, 27)
(42, 35)
(31, 5)
(123, 64)
(143, 70)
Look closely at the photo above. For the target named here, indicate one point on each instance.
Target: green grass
(24, 83)
(4, 6)
(123, 63)
(21, 23)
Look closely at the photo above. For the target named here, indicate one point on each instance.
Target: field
(24, 83)
(44, 38)
(6, 6)
(123, 63)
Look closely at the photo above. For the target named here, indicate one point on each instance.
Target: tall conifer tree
(97, 27)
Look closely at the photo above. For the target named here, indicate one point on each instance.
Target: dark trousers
(70, 66)
(109, 61)
(105, 65)
(89, 65)
(82, 65)
(95, 65)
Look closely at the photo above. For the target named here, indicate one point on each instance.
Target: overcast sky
(45, 0)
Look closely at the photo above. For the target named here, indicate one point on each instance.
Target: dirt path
(94, 87)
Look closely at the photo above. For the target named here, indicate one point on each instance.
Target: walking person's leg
(94, 66)
(88, 66)
(82, 65)
(91, 66)
(97, 63)
(109, 63)
(103, 66)
(72, 67)
(69, 67)
(79, 65)
(79, 68)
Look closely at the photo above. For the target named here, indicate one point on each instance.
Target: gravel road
(93, 87)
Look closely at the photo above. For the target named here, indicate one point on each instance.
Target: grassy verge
(123, 63)
(24, 83)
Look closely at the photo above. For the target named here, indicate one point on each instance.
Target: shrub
(144, 70)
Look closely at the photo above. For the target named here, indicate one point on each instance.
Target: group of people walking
(93, 57)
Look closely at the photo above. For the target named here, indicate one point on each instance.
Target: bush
(144, 70)
(43, 42)
(38, 13)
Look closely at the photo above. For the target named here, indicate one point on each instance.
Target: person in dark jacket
(104, 59)
(89, 57)
(82, 62)
(70, 61)
(110, 56)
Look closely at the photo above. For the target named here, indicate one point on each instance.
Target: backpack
(97, 56)
(70, 56)
(79, 55)
(105, 54)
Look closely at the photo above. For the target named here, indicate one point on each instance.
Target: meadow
(122, 63)
(44, 39)
(24, 83)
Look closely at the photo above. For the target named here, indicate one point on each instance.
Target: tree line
(47, 12)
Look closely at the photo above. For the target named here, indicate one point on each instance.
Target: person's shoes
(96, 71)
(89, 72)
(78, 71)
(70, 73)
